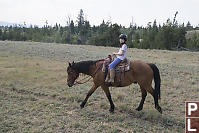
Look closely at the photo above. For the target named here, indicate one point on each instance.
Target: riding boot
(112, 76)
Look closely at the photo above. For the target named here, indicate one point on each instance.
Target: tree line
(170, 35)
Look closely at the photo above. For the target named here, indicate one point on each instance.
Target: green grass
(34, 96)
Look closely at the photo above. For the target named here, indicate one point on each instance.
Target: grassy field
(34, 96)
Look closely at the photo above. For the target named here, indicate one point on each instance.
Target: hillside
(34, 96)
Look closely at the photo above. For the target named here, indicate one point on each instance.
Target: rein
(88, 77)
(79, 82)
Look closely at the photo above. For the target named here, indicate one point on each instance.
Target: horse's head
(73, 74)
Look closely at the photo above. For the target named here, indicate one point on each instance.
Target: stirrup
(111, 81)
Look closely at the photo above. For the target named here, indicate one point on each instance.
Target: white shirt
(124, 47)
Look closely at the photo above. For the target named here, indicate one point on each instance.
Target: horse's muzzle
(70, 84)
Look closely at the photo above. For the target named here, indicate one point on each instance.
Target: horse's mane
(84, 66)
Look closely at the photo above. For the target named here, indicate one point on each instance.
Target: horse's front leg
(90, 92)
(108, 95)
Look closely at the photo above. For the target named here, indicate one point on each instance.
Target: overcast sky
(117, 11)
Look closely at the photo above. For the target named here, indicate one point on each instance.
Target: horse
(140, 72)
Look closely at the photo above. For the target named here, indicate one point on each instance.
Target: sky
(122, 12)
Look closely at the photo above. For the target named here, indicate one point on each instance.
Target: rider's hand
(114, 53)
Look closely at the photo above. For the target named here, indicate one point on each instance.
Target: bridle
(87, 77)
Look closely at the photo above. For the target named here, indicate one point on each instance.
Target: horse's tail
(157, 80)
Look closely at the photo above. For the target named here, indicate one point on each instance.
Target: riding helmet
(123, 36)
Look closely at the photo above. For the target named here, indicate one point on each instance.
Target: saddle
(123, 66)
(120, 69)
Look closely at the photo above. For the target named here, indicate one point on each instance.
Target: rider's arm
(120, 54)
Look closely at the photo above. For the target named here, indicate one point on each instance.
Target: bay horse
(140, 72)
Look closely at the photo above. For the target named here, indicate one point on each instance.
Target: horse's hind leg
(144, 94)
(155, 96)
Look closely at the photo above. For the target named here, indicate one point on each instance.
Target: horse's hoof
(82, 106)
(138, 108)
(111, 110)
(159, 109)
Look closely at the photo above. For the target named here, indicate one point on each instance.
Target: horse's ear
(69, 64)
(73, 63)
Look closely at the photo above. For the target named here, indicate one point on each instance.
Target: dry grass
(34, 96)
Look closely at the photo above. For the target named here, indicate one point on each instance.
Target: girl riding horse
(140, 72)
(121, 55)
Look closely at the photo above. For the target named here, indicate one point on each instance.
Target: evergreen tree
(168, 36)
(103, 27)
(72, 27)
(108, 38)
(80, 20)
(0, 33)
(188, 26)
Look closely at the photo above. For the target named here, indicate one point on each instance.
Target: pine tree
(80, 20)
(188, 26)
(0, 33)
(72, 27)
